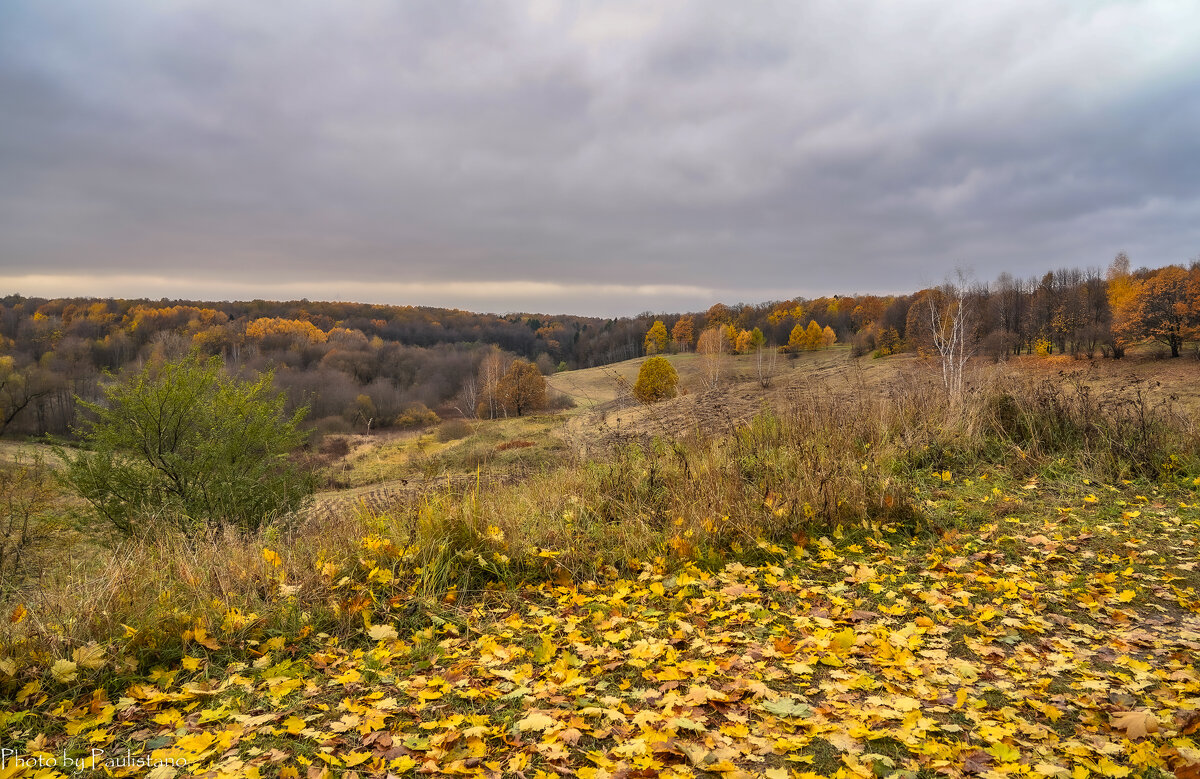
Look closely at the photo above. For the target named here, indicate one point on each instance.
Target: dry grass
(833, 453)
(144, 598)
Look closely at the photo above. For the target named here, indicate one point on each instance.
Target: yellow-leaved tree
(1124, 297)
(656, 380)
(656, 338)
(796, 339)
(813, 335)
(744, 342)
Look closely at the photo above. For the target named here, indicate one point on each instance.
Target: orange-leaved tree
(1170, 306)
(1124, 300)
(684, 332)
(522, 389)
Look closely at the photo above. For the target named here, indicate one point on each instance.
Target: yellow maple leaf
(272, 557)
(536, 720)
(842, 641)
(543, 652)
(593, 773)
(1111, 769)
(203, 639)
(90, 656)
(382, 633)
(63, 671)
(1005, 753)
(699, 695)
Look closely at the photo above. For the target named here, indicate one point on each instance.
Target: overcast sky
(599, 158)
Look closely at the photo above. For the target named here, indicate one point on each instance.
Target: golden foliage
(656, 380)
(299, 329)
(656, 338)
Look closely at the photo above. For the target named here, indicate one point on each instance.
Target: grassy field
(841, 574)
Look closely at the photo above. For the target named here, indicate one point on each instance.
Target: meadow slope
(863, 582)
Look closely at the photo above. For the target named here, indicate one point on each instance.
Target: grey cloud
(764, 149)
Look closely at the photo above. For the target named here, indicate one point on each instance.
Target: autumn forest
(357, 365)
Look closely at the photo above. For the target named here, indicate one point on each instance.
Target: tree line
(354, 365)
(373, 366)
(1081, 313)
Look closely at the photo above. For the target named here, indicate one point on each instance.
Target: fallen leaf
(1136, 724)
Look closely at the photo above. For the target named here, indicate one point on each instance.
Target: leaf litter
(1059, 646)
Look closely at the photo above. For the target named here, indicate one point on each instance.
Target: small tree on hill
(951, 317)
(1169, 309)
(656, 338)
(684, 332)
(796, 338)
(187, 443)
(711, 348)
(522, 389)
(483, 393)
(764, 361)
(656, 380)
(813, 335)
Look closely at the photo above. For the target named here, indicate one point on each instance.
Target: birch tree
(951, 325)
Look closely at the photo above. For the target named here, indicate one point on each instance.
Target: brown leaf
(1188, 722)
(859, 615)
(977, 762)
(1136, 724)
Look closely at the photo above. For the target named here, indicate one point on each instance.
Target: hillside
(840, 574)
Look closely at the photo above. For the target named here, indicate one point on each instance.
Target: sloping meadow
(869, 583)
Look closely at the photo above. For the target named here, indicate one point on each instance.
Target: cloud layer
(630, 156)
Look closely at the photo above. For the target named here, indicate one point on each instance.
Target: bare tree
(952, 324)
(764, 363)
(491, 371)
(470, 398)
(711, 349)
(19, 388)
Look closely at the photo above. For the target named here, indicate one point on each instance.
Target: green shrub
(185, 443)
